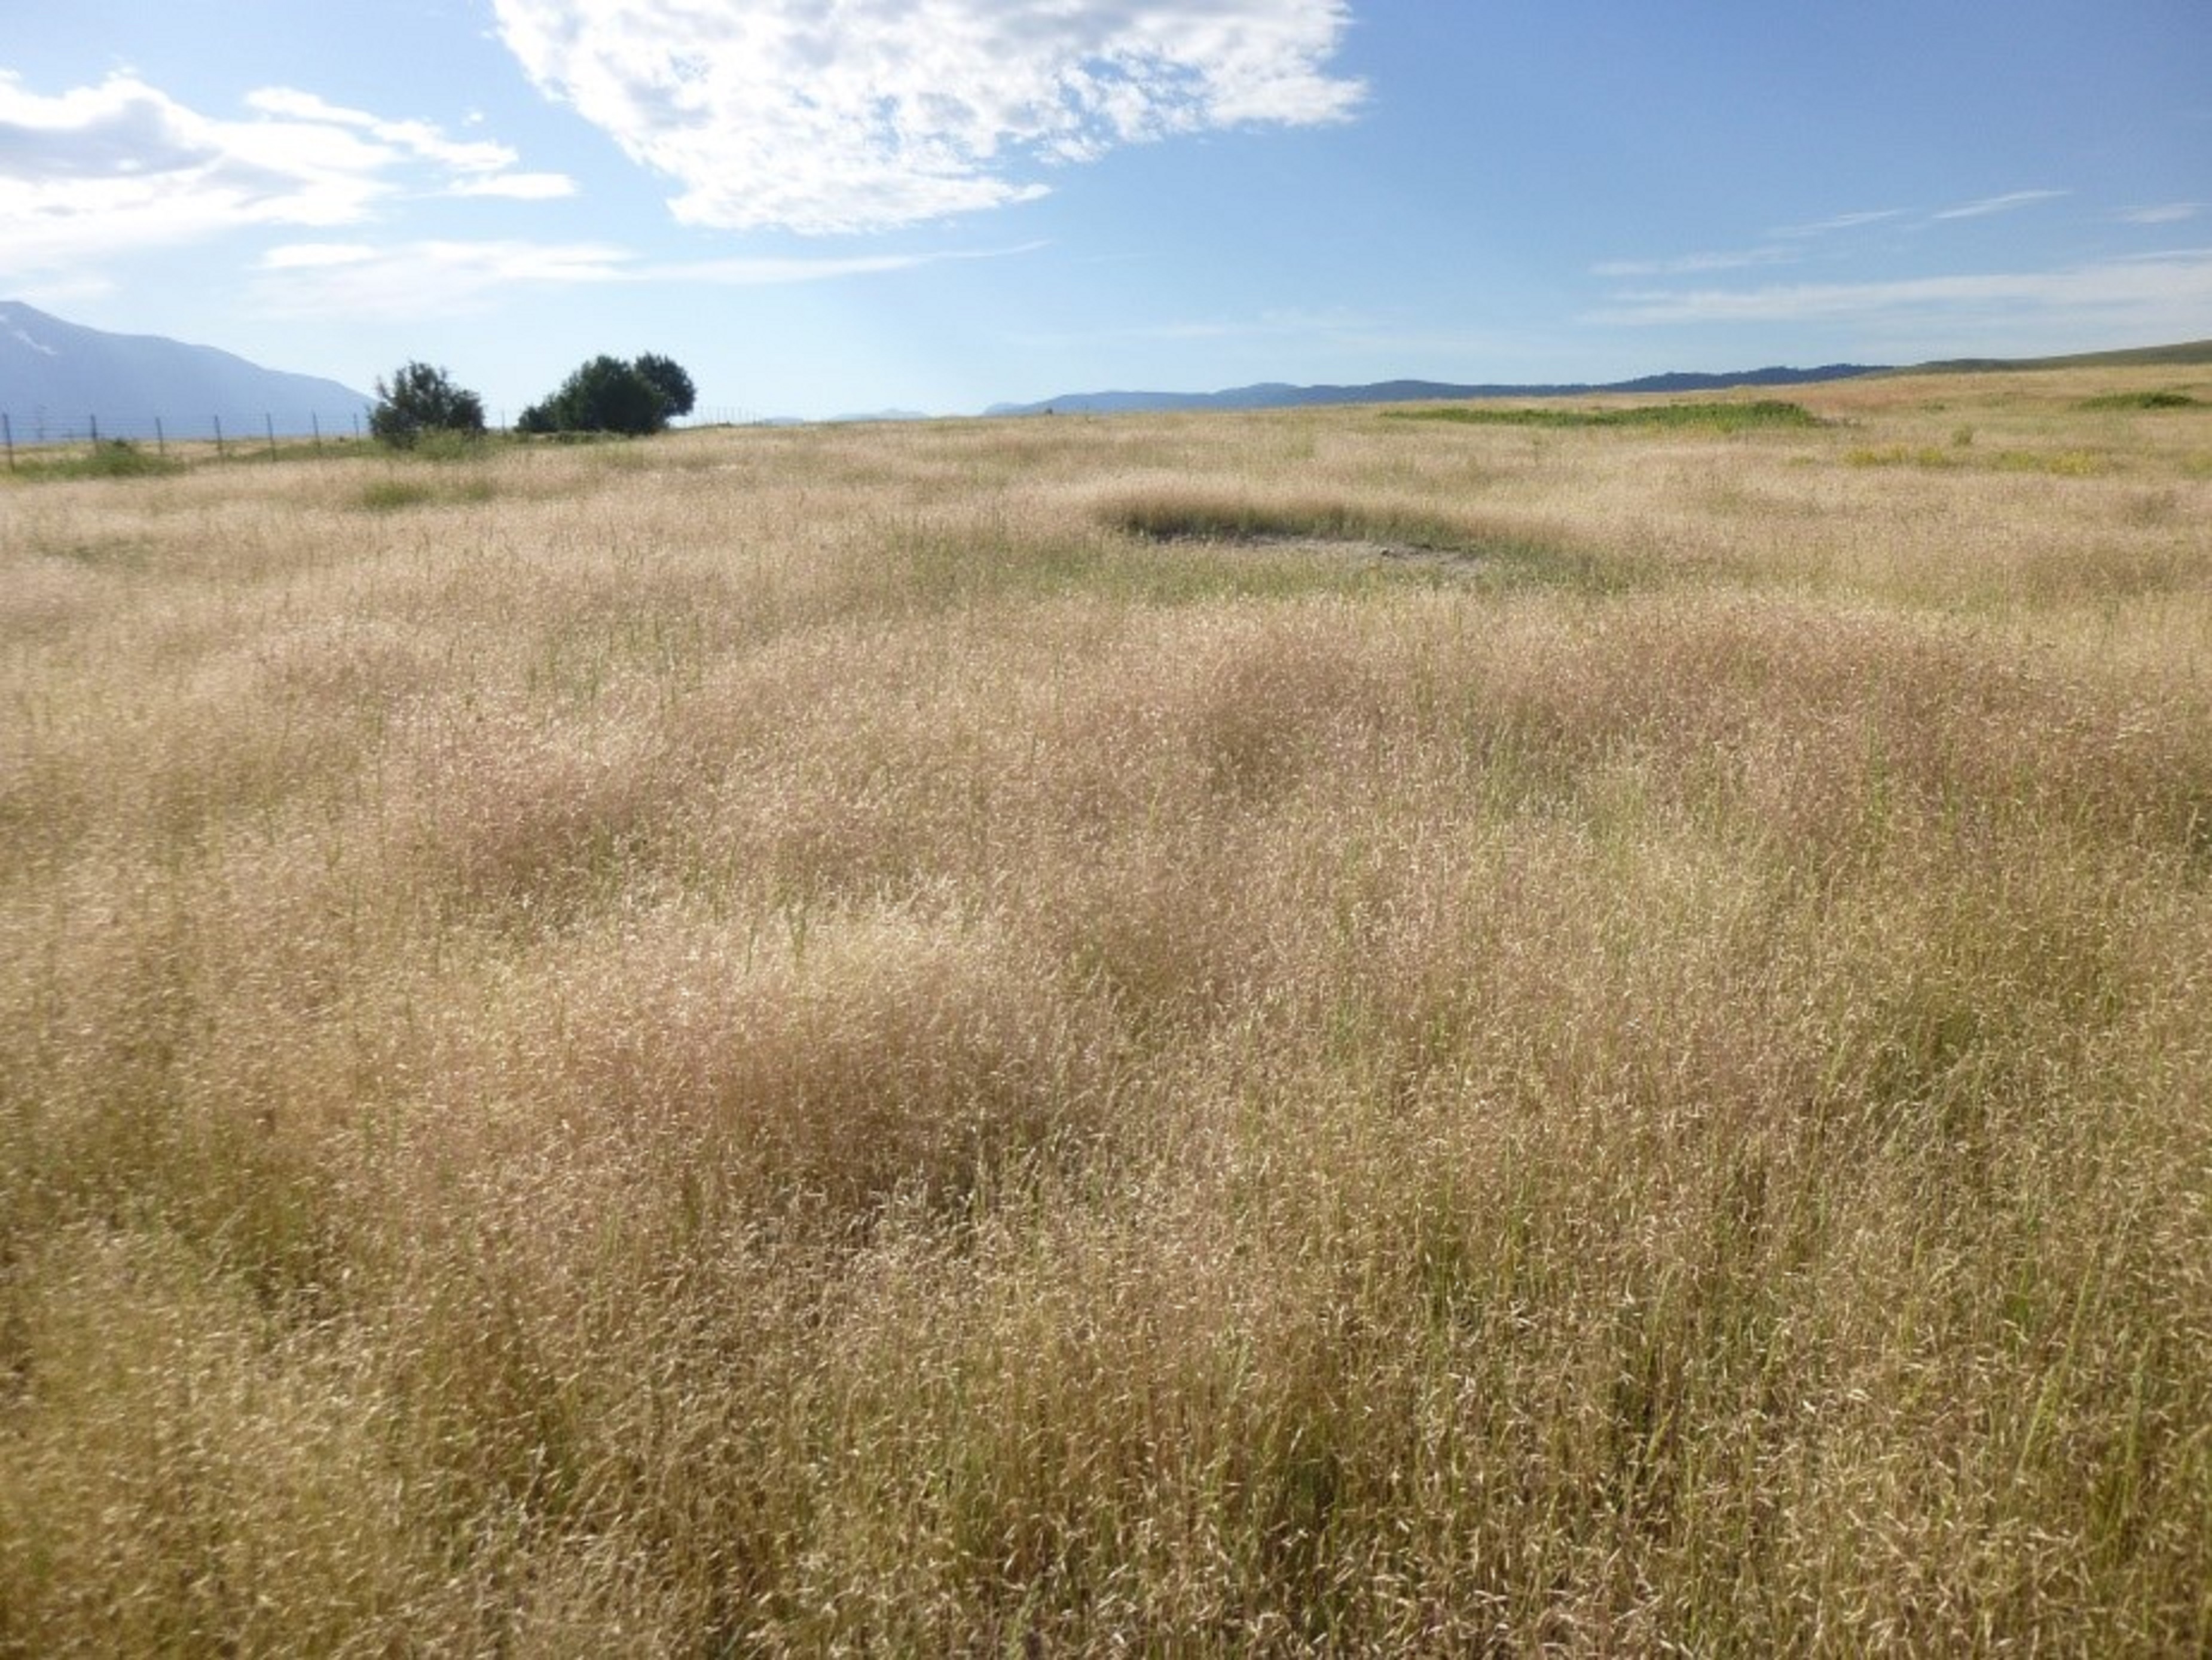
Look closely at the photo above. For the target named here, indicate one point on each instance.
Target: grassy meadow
(1314, 1031)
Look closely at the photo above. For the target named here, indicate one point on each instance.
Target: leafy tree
(609, 395)
(421, 399)
(676, 387)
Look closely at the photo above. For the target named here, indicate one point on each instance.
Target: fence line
(50, 430)
(47, 428)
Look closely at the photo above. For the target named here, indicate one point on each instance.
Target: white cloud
(1690, 264)
(398, 281)
(2005, 204)
(1843, 221)
(2165, 213)
(403, 281)
(98, 171)
(872, 114)
(2165, 296)
(518, 187)
(313, 256)
(417, 138)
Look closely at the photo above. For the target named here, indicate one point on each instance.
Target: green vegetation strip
(1714, 417)
(2144, 400)
(117, 459)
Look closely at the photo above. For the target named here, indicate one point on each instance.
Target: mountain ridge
(1280, 395)
(60, 380)
(1277, 395)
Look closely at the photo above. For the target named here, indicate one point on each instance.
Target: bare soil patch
(1347, 547)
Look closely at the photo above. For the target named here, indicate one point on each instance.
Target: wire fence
(49, 430)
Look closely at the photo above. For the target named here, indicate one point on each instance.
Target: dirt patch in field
(1342, 547)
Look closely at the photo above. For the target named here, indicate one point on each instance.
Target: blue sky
(831, 206)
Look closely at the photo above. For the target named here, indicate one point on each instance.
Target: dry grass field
(1305, 1032)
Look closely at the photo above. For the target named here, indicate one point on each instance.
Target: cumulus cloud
(518, 187)
(850, 115)
(96, 171)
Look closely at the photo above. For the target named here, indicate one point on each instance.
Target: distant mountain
(58, 380)
(2188, 354)
(1274, 395)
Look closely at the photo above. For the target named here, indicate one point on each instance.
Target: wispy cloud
(1845, 222)
(98, 171)
(2155, 294)
(417, 138)
(2007, 203)
(2166, 213)
(815, 118)
(1690, 264)
(1797, 243)
(427, 278)
(1791, 243)
(1303, 325)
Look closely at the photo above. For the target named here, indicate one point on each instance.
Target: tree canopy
(610, 395)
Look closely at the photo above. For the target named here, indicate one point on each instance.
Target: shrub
(421, 399)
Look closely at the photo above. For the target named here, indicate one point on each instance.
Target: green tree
(419, 399)
(675, 388)
(609, 395)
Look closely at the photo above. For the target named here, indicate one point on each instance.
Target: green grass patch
(395, 493)
(288, 450)
(2142, 400)
(2058, 464)
(1699, 417)
(1902, 455)
(117, 459)
(391, 495)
